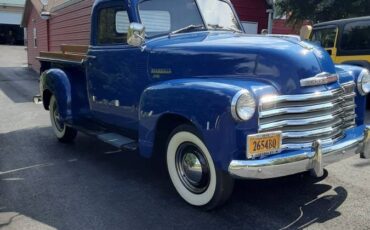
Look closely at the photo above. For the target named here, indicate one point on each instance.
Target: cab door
(116, 71)
(327, 37)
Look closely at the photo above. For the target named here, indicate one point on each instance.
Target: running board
(118, 141)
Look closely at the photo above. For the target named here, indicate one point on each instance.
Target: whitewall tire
(192, 170)
(61, 131)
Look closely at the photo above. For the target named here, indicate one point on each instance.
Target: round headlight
(363, 82)
(243, 105)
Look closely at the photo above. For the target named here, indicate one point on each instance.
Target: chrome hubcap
(192, 168)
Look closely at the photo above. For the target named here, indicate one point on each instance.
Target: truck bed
(69, 53)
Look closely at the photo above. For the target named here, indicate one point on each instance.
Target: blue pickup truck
(179, 79)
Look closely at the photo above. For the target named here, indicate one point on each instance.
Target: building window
(34, 36)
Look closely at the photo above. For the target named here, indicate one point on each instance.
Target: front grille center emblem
(319, 79)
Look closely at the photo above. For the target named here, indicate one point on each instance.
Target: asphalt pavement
(90, 185)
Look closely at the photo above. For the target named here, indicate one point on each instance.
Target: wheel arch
(55, 82)
(46, 96)
(164, 127)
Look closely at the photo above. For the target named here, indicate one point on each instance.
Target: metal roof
(12, 3)
(341, 21)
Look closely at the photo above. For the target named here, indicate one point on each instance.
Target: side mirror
(136, 34)
(305, 32)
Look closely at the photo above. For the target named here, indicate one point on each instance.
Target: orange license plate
(263, 144)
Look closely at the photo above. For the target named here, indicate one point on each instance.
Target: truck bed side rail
(75, 54)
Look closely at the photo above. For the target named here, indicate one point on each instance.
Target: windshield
(218, 15)
(164, 16)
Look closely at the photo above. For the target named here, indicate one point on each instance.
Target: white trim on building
(10, 18)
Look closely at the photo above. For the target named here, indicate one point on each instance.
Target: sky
(12, 2)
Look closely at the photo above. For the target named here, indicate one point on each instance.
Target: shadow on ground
(14, 82)
(89, 185)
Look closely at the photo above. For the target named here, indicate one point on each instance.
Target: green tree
(316, 11)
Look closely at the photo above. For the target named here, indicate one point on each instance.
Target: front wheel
(64, 133)
(192, 170)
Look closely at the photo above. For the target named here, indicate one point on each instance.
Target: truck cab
(180, 80)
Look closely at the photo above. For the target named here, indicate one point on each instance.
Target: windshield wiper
(234, 29)
(187, 28)
(216, 26)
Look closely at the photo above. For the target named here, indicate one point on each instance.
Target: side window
(113, 25)
(326, 37)
(356, 36)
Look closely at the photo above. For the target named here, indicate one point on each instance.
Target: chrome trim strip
(305, 109)
(349, 107)
(61, 60)
(300, 122)
(301, 97)
(359, 81)
(348, 83)
(234, 103)
(312, 133)
(324, 142)
(349, 96)
(350, 117)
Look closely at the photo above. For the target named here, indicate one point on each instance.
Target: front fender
(351, 73)
(206, 103)
(360, 63)
(57, 83)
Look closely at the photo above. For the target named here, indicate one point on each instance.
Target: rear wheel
(192, 170)
(64, 133)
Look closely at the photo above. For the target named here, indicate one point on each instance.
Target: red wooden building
(280, 26)
(70, 23)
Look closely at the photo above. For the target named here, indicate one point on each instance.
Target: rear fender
(57, 83)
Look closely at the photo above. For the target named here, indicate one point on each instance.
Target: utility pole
(271, 4)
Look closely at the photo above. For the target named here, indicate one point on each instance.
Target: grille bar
(306, 109)
(300, 122)
(309, 117)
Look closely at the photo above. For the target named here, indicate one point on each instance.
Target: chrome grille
(309, 117)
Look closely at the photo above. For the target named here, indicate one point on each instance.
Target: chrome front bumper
(313, 160)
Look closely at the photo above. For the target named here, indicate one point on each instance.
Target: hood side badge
(320, 79)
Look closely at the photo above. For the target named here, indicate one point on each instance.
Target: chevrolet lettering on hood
(320, 79)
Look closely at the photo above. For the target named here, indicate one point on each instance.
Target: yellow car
(347, 40)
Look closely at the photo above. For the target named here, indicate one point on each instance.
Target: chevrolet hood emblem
(319, 79)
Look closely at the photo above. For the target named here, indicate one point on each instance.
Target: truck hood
(281, 62)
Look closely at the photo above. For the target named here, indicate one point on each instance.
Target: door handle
(90, 57)
(87, 58)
